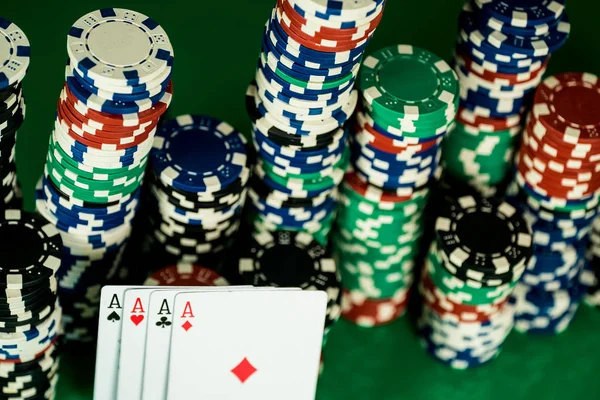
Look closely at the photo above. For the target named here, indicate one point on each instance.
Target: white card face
(246, 345)
(158, 338)
(109, 341)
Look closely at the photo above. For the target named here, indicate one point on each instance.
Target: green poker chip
(59, 155)
(407, 82)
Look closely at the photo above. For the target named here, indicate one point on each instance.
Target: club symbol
(163, 323)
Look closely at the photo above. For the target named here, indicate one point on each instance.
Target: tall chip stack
(480, 251)
(307, 266)
(557, 186)
(14, 62)
(501, 54)
(117, 87)
(409, 100)
(197, 188)
(31, 315)
(299, 103)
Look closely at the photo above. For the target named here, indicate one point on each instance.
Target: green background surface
(216, 44)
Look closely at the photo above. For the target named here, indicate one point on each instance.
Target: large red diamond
(244, 370)
(186, 326)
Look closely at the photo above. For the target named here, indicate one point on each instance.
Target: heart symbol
(136, 319)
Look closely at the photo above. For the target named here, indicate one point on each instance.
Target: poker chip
(307, 266)
(501, 55)
(395, 152)
(467, 281)
(185, 275)
(299, 102)
(14, 61)
(556, 188)
(197, 188)
(30, 315)
(106, 121)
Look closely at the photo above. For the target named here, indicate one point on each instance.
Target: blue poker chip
(302, 166)
(498, 107)
(303, 70)
(509, 29)
(536, 46)
(309, 128)
(312, 54)
(300, 92)
(121, 97)
(490, 54)
(275, 100)
(198, 154)
(112, 107)
(463, 359)
(523, 13)
(479, 58)
(305, 60)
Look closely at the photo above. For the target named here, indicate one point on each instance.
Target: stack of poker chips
(307, 266)
(557, 186)
(30, 317)
(14, 62)
(196, 191)
(301, 98)
(480, 251)
(501, 55)
(590, 277)
(409, 99)
(110, 105)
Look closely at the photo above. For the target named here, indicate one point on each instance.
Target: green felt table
(216, 44)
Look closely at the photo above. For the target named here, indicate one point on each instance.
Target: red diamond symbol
(244, 370)
(186, 326)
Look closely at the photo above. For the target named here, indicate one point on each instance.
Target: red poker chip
(310, 43)
(370, 23)
(545, 186)
(486, 124)
(541, 133)
(186, 275)
(551, 170)
(557, 151)
(73, 117)
(98, 135)
(571, 167)
(567, 103)
(365, 312)
(371, 192)
(343, 35)
(440, 303)
(106, 144)
(385, 144)
(125, 120)
(497, 77)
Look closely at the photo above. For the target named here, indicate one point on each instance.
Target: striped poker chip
(460, 237)
(220, 153)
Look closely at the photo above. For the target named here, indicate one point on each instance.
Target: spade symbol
(163, 322)
(113, 316)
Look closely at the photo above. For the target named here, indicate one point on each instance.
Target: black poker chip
(483, 238)
(307, 266)
(31, 250)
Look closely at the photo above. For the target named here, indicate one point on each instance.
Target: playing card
(109, 341)
(158, 339)
(246, 345)
(137, 317)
